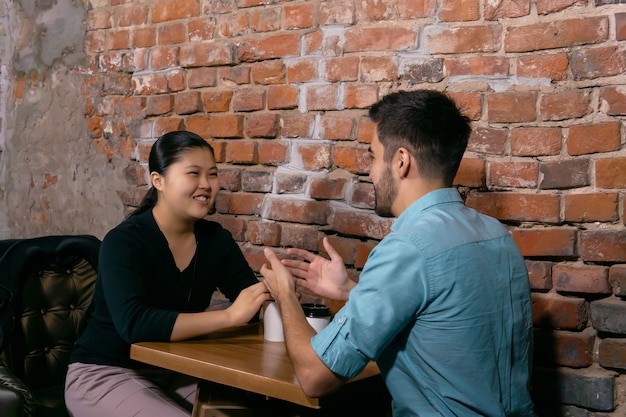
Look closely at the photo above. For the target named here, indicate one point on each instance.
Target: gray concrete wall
(52, 181)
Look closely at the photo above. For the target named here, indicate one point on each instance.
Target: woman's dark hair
(429, 125)
(165, 151)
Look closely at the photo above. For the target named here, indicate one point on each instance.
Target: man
(443, 302)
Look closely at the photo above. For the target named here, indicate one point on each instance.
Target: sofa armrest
(16, 400)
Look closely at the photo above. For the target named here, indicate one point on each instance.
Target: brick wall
(281, 89)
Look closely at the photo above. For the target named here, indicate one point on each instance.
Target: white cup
(273, 323)
(318, 315)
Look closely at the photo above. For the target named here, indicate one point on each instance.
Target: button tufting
(44, 311)
(72, 307)
(46, 349)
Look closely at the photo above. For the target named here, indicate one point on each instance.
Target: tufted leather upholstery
(49, 282)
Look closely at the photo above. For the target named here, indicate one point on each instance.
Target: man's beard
(385, 193)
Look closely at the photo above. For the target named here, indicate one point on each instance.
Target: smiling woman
(158, 271)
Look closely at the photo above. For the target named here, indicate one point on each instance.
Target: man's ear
(403, 162)
(156, 179)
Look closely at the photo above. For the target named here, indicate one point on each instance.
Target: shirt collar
(433, 198)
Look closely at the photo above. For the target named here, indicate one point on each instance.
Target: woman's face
(190, 185)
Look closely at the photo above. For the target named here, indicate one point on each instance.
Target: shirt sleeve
(392, 289)
(122, 271)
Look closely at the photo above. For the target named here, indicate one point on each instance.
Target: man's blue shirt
(443, 306)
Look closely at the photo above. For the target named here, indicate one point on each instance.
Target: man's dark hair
(429, 125)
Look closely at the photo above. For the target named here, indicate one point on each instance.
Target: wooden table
(238, 358)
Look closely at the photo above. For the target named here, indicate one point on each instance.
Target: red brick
(262, 125)
(353, 223)
(328, 188)
(536, 141)
(99, 19)
(302, 70)
(612, 353)
(614, 98)
(132, 16)
(461, 40)
(200, 125)
(603, 245)
(607, 315)
(339, 12)
(241, 152)
(588, 279)
(411, 9)
(387, 38)
(345, 247)
(172, 33)
(322, 97)
(458, 10)
(229, 177)
(366, 129)
(299, 236)
(617, 279)
(159, 105)
(168, 124)
(282, 97)
(557, 242)
(256, 180)
(207, 54)
(564, 174)
(315, 156)
(297, 210)
(136, 60)
(217, 101)
(170, 10)
(95, 41)
(274, 46)
(470, 104)
(201, 29)
(272, 153)
(551, 6)
(143, 37)
(559, 312)
(363, 250)
(563, 348)
(187, 103)
(175, 80)
(563, 105)
(517, 207)
(363, 195)
(378, 69)
(312, 42)
(118, 39)
(620, 26)
(299, 16)
(163, 57)
(296, 124)
(264, 20)
(511, 107)
(245, 203)
(129, 106)
(471, 173)
(539, 274)
(513, 174)
(597, 62)
(360, 96)
(352, 159)
(269, 72)
(474, 65)
(611, 173)
(248, 99)
(226, 126)
(344, 68)
(552, 66)
(235, 25)
(336, 127)
(289, 183)
(264, 233)
(596, 138)
(556, 34)
(591, 207)
(499, 9)
(201, 77)
(487, 140)
(237, 75)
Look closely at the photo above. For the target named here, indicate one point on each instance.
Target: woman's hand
(327, 278)
(247, 304)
